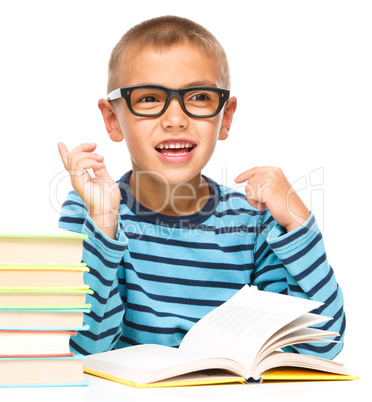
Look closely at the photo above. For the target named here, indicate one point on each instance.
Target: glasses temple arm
(115, 94)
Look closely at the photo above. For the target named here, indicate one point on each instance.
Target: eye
(200, 97)
(148, 99)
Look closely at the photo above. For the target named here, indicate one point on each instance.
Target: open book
(235, 342)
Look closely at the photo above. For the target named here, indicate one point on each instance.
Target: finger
(81, 150)
(246, 175)
(88, 163)
(85, 147)
(63, 153)
(261, 206)
(66, 156)
(257, 204)
(101, 173)
(78, 160)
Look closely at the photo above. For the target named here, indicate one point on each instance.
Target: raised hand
(267, 187)
(100, 194)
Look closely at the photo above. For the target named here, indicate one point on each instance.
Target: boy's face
(160, 146)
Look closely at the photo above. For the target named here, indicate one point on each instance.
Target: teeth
(174, 145)
(185, 153)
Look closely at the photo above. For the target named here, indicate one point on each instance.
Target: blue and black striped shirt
(163, 273)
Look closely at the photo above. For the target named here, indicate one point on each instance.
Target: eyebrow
(205, 83)
(201, 84)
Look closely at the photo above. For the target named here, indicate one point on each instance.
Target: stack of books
(42, 304)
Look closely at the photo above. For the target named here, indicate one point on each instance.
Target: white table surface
(100, 390)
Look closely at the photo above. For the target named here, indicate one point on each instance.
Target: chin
(177, 176)
(170, 173)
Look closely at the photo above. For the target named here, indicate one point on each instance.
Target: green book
(28, 246)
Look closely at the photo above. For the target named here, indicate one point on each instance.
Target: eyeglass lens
(150, 101)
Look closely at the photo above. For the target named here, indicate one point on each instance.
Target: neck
(170, 199)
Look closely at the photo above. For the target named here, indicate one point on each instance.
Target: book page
(282, 359)
(149, 363)
(238, 328)
(144, 357)
(306, 320)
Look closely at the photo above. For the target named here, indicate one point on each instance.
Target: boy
(167, 244)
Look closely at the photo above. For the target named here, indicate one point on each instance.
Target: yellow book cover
(207, 377)
(219, 377)
(300, 374)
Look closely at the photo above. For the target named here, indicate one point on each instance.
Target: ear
(227, 118)
(110, 119)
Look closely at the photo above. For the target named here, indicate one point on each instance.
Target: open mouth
(175, 148)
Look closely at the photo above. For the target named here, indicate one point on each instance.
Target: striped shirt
(163, 273)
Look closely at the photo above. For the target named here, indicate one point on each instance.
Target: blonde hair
(163, 32)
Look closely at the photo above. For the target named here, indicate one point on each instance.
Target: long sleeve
(102, 255)
(296, 264)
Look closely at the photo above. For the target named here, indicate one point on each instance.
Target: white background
(301, 71)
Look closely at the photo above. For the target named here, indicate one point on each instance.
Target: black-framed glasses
(153, 100)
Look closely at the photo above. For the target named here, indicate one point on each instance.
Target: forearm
(102, 255)
(106, 223)
(302, 270)
(309, 274)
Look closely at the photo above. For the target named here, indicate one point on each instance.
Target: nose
(174, 117)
